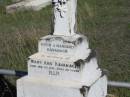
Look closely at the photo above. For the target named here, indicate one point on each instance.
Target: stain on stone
(78, 41)
(74, 42)
(91, 55)
(48, 39)
(79, 62)
(83, 90)
(82, 62)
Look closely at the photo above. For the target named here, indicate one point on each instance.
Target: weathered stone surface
(65, 22)
(38, 87)
(57, 68)
(59, 57)
(73, 46)
(65, 62)
(64, 66)
(99, 88)
(53, 67)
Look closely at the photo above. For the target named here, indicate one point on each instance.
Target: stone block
(32, 87)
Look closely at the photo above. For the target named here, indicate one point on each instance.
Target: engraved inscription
(56, 46)
(54, 68)
(54, 72)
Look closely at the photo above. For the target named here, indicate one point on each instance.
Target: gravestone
(64, 65)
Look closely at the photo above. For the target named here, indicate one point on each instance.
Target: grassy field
(106, 23)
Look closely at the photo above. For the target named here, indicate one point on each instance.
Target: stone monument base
(32, 87)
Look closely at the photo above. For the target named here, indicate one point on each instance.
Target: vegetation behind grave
(106, 23)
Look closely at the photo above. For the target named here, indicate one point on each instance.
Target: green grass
(106, 23)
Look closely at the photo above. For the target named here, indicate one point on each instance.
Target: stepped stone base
(63, 67)
(32, 87)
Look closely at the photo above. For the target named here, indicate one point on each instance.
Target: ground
(106, 23)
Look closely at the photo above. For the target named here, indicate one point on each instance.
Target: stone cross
(64, 17)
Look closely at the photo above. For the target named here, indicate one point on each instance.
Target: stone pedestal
(38, 87)
(63, 67)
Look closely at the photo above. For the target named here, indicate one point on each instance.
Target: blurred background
(106, 23)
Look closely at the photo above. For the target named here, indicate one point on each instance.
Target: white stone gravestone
(64, 66)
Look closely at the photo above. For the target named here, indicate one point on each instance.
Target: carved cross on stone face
(64, 17)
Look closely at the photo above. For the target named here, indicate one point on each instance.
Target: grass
(106, 23)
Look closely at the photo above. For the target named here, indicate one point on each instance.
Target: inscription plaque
(55, 45)
(57, 69)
